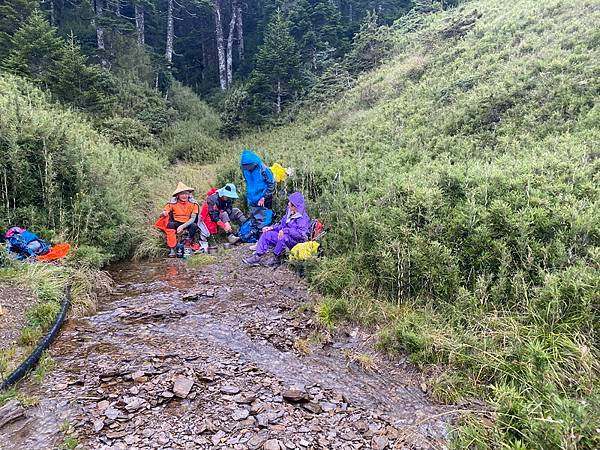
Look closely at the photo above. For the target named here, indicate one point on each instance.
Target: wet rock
(162, 438)
(312, 407)
(134, 403)
(379, 442)
(98, 425)
(244, 397)
(103, 405)
(11, 412)
(116, 434)
(256, 441)
(139, 377)
(273, 444)
(328, 406)
(362, 426)
(240, 414)
(230, 390)
(182, 386)
(262, 420)
(112, 413)
(295, 395)
(216, 439)
(131, 439)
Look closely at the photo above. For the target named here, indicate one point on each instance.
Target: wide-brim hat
(229, 191)
(182, 188)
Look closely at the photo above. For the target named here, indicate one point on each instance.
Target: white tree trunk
(99, 6)
(220, 45)
(170, 33)
(139, 24)
(52, 14)
(240, 30)
(278, 96)
(230, 36)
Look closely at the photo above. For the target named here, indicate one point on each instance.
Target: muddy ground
(14, 302)
(224, 356)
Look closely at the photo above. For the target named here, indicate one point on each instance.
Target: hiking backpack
(25, 244)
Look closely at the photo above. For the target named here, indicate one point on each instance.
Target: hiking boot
(253, 260)
(274, 261)
(188, 252)
(172, 253)
(233, 239)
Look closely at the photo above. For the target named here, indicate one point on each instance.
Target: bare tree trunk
(114, 6)
(278, 96)
(230, 36)
(220, 45)
(240, 30)
(139, 24)
(52, 14)
(204, 56)
(170, 33)
(99, 7)
(350, 12)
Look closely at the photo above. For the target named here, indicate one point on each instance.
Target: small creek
(220, 326)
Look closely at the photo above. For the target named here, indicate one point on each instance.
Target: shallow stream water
(223, 328)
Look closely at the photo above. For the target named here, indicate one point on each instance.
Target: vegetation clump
(459, 185)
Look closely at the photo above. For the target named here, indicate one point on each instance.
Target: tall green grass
(66, 181)
(459, 184)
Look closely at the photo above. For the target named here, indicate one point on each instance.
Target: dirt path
(199, 359)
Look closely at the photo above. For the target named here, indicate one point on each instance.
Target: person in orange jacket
(182, 212)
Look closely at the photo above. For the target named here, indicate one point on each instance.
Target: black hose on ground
(35, 356)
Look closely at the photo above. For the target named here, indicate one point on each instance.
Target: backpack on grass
(25, 244)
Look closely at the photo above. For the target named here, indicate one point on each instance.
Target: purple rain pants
(269, 239)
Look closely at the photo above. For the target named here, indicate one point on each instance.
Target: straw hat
(182, 188)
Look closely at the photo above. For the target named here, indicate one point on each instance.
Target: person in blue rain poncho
(260, 187)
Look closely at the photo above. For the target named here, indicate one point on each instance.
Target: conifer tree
(84, 86)
(12, 14)
(277, 74)
(36, 49)
(40, 54)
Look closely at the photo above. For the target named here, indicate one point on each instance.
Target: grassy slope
(460, 186)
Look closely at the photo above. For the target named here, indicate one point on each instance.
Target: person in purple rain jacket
(293, 229)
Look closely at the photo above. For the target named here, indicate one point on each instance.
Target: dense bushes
(461, 180)
(60, 177)
(194, 137)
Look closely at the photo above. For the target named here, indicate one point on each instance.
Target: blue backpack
(250, 230)
(25, 244)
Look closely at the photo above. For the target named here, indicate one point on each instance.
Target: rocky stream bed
(180, 358)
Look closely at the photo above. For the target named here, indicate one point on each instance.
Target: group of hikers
(183, 219)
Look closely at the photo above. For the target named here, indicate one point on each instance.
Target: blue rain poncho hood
(259, 178)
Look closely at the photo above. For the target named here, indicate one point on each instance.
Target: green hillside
(460, 187)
